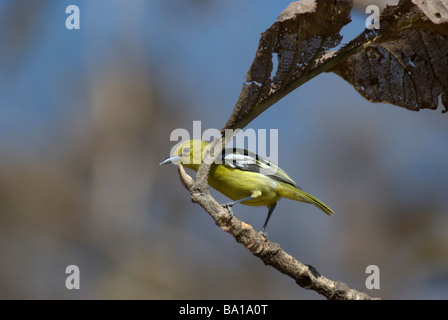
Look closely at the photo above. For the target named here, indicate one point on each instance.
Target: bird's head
(190, 154)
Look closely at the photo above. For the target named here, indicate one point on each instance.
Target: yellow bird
(244, 177)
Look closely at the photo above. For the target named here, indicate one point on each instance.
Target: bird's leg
(263, 228)
(229, 205)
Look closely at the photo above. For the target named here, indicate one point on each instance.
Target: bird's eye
(186, 151)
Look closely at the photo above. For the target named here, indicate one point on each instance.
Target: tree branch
(269, 252)
(247, 109)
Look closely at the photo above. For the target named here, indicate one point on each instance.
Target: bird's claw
(229, 207)
(263, 233)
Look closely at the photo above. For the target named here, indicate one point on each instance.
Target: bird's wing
(248, 161)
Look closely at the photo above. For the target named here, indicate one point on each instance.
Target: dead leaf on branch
(406, 63)
(303, 32)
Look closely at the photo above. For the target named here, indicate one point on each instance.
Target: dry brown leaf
(303, 32)
(405, 64)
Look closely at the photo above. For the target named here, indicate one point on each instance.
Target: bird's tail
(290, 192)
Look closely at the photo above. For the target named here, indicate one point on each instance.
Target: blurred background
(86, 117)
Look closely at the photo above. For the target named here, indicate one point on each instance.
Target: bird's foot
(263, 233)
(229, 207)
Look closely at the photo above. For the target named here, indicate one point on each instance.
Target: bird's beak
(173, 159)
